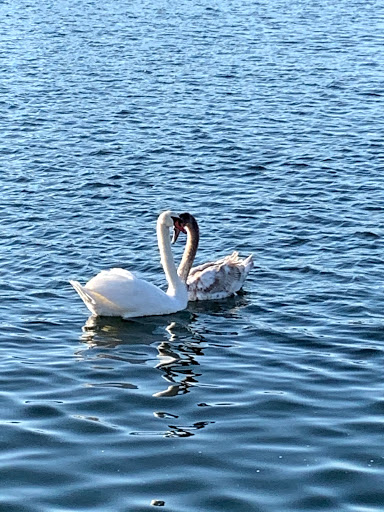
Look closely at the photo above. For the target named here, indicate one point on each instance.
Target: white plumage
(117, 292)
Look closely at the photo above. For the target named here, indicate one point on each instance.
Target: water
(263, 119)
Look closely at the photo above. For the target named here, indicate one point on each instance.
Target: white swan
(215, 279)
(117, 292)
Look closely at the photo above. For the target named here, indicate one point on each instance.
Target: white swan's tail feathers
(88, 300)
(97, 303)
(83, 294)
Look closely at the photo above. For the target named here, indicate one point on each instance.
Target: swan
(212, 280)
(117, 292)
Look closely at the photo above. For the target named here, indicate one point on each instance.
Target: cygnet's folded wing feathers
(219, 279)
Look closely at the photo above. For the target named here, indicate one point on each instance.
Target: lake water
(264, 119)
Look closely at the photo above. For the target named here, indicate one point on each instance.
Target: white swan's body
(117, 292)
(213, 280)
(218, 279)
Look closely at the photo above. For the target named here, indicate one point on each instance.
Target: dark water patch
(38, 411)
(122, 385)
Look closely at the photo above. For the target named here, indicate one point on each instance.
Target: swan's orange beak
(177, 227)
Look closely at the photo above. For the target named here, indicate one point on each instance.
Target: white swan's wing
(96, 303)
(117, 292)
(219, 279)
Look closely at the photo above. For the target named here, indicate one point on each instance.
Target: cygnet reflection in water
(228, 308)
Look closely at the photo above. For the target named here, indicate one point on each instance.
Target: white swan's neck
(174, 282)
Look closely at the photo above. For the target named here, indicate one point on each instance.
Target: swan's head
(166, 219)
(183, 221)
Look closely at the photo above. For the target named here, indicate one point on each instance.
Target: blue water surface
(265, 119)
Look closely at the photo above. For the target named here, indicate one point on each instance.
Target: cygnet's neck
(190, 250)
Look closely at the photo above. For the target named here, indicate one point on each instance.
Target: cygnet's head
(183, 222)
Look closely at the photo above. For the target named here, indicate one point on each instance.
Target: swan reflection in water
(174, 337)
(179, 340)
